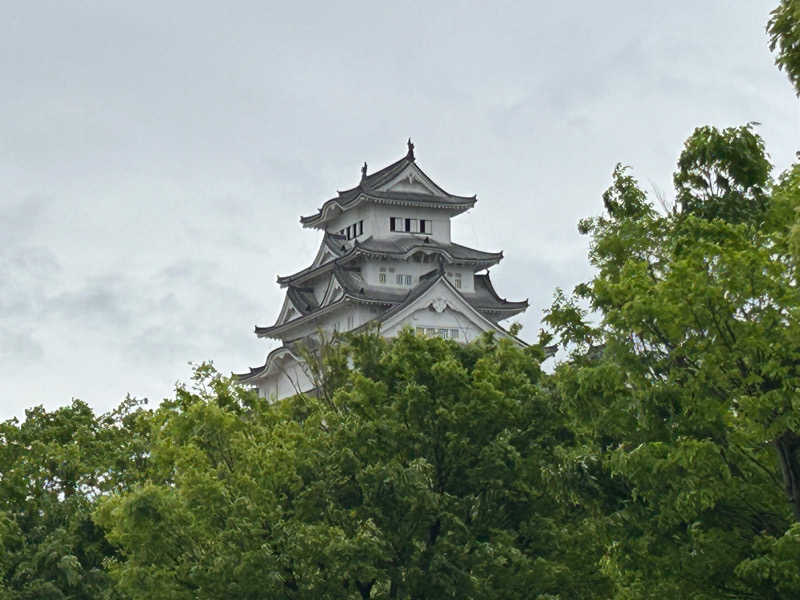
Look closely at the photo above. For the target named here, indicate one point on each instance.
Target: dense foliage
(418, 478)
(683, 390)
(53, 469)
(784, 31)
(660, 457)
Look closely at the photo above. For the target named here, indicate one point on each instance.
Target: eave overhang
(453, 253)
(418, 294)
(336, 206)
(484, 300)
(264, 370)
(371, 188)
(277, 331)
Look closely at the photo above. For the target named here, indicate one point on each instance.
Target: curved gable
(288, 312)
(333, 292)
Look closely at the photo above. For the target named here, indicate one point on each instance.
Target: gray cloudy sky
(155, 157)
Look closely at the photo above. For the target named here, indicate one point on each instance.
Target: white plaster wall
(349, 217)
(371, 269)
(291, 379)
(279, 385)
(467, 277)
(360, 314)
(440, 221)
(376, 220)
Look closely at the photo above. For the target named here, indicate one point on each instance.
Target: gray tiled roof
(303, 299)
(376, 179)
(399, 247)
(404, 243)
(484, 299)
(333, 242)
(356, 287)
(368, 186)
(254, 372)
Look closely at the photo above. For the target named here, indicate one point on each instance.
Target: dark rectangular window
(410, 225)
(361, 228)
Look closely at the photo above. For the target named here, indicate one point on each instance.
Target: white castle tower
(386, 260)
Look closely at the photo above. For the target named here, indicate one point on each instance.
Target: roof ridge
(369, 184)
(367, 180)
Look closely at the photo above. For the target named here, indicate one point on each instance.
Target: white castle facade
(386, 260)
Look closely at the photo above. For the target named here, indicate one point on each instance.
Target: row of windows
(402, 279)
(444, 333)
(353, 231)
(410, 225)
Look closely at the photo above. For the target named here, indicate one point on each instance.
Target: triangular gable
(324, 255)
(288, 312)
(333, 291)
(441, 297)
(280, 355)
(413, 180)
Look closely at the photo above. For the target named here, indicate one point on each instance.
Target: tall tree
(683, 385)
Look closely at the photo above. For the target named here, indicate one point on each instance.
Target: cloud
(154, 160)
(18, 346)
(20, 217)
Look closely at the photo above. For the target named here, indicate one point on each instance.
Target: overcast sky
(155, 157)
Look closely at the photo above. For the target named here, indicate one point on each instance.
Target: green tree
(422, 476)
(53, 467)
(682, 386)
(723, 174)
(784, 31)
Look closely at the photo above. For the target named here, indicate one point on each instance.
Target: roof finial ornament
(364, 171)
(410, 155)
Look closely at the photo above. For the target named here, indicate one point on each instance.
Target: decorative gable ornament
(439, 305)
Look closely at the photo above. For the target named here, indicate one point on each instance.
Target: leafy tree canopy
(683, 381)
(53, 467)
(419, 477)
(784, 31)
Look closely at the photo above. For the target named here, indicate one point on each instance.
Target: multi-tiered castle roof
(386, 260)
